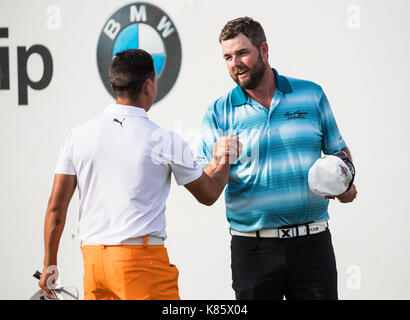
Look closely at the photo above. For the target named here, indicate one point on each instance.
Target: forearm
(211, 167)
(350, 194)
(347, 151)
(220, 178)
(54, 221)
(53, 228)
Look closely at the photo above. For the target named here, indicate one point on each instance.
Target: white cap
(329, 176)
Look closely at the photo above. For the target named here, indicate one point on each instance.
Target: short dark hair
(249, 27)
(128, 72)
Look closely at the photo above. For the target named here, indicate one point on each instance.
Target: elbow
(54, 206)
(206, 199)
(210, 199)
(208, 202)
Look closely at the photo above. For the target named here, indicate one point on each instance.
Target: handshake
(227, 150)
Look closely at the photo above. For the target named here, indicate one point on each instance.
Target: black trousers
(300, 268)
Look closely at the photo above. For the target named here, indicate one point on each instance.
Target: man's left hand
(348, 196)
(48, 280)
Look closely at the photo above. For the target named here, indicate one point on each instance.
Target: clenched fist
(227, 149)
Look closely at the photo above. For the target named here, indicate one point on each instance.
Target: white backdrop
(356, 50)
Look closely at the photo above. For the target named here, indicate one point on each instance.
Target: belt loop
(145, 241)
(307, 229)
(258, 234)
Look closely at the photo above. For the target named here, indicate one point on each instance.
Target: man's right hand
(227, 149)
(209, 186)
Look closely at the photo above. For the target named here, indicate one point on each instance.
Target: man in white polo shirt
(121, 163)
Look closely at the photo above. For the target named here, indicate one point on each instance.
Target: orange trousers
(129, 272)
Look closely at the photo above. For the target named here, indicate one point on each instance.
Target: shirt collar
(129, 111)
(239, 96)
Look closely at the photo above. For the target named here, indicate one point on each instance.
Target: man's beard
(256, 73)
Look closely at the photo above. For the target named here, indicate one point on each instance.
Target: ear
(264, 50)
(147, 87)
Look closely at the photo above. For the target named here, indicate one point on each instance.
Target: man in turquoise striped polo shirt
(281, 243)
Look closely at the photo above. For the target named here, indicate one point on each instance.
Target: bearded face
(246, 63)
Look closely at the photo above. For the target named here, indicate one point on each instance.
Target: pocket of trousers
(90, 285)
(244, 243)
(164, 281)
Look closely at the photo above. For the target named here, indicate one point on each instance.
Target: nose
(237, 61)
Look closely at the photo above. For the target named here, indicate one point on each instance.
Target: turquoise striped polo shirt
(268, 185)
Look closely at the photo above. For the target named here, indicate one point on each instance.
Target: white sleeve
(65, 163)
(182, 161)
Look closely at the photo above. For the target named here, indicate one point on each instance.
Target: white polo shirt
(123, 163)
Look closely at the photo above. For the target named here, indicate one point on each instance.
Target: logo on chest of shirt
(141, 25)
(295, 115)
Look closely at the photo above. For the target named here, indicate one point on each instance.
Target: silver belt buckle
(285, 233)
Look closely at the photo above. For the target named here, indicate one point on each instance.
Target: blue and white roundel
(141, 25)
(142, 36)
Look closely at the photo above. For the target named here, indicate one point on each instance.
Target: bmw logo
(141, 25)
